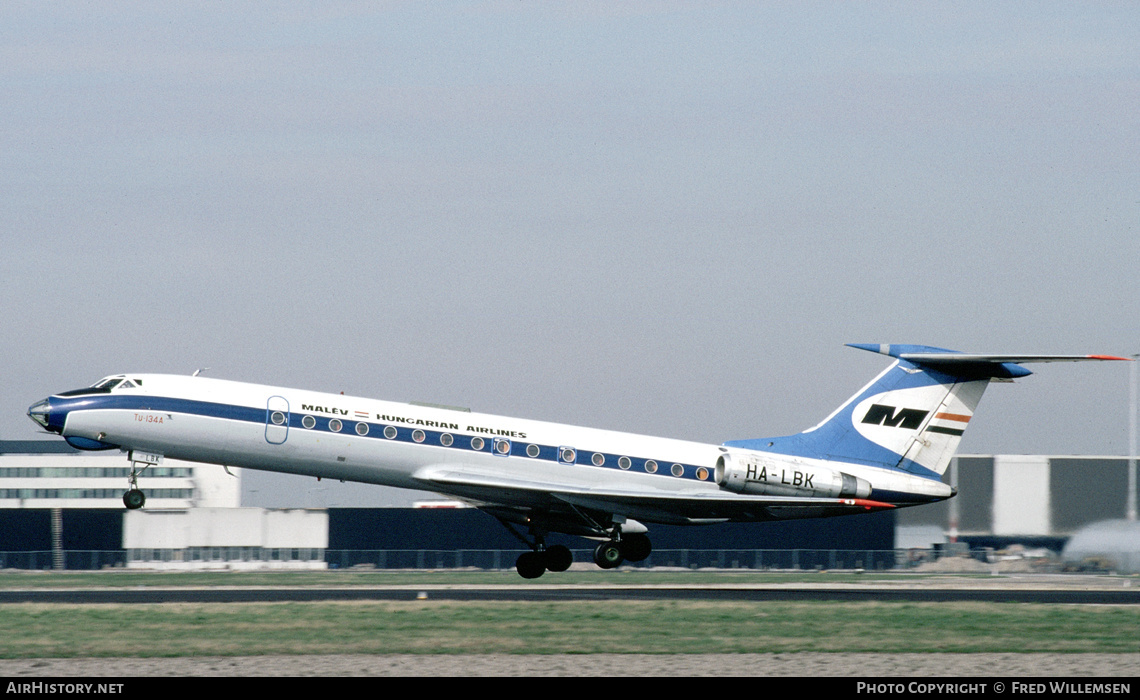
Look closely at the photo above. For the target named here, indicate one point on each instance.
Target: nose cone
(41, 413)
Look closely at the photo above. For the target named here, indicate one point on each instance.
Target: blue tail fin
(912, 416)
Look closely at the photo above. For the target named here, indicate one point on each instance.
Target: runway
(1070, 590)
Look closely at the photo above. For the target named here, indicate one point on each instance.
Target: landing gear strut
(134, 498)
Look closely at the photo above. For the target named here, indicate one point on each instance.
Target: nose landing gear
(134, 498)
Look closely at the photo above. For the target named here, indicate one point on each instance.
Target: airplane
(886, 447)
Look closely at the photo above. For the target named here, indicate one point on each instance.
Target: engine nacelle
(758, 474)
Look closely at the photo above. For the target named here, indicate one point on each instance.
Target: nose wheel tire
(134, 499)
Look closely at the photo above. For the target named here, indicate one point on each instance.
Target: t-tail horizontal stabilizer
(969, 364)
(912, 416)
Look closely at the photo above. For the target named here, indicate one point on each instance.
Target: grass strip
(671, 627)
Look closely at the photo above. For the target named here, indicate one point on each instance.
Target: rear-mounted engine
(757, 474)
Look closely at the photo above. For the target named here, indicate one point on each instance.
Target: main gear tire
(608, 555)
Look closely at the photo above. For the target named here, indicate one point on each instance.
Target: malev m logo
(892, 419)
(907, 418)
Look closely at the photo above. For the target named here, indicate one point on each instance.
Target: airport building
(56, 500)
(42, 474)
(1026, 497)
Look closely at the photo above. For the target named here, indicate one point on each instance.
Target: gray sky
(664, 218)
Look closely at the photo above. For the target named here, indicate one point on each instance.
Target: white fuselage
(379, 442)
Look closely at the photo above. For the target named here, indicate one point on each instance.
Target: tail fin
(912, 416)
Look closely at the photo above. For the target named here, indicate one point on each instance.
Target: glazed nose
(40, 412)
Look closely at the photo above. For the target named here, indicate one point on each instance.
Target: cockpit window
(103, 386)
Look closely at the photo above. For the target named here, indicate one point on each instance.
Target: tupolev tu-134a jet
(887, 447)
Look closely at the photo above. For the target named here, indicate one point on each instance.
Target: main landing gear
(541, 558)
(610, 554)
(537, 562)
